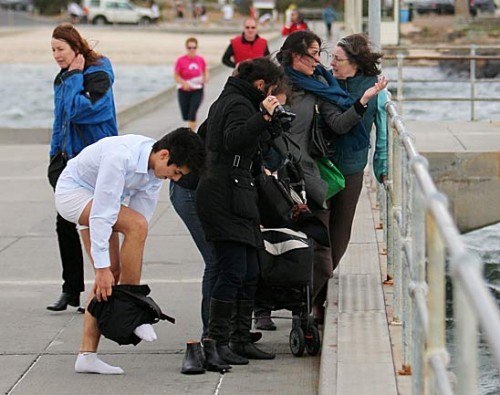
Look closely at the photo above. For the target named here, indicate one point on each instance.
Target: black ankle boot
(64, 300)
(213, 362)
(193, 363)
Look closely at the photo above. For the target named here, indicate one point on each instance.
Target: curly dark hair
(68, 33)
(359, 51)
(297, 43)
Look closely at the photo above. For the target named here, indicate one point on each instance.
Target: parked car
(439, 7)
(102, 12)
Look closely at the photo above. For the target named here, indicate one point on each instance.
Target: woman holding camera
(227, 204)
(314, 86)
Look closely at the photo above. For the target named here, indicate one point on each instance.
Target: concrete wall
(471, 180)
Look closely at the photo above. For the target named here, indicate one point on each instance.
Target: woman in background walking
(190, 73)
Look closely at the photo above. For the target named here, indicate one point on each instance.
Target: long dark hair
(67, 32)
(296, 43)
(359, 51)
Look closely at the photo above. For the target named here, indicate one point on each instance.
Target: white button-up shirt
(114, 169)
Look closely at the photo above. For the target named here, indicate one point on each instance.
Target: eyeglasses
(314, 54)
(250, 27)
(191, 47)
(335, 59)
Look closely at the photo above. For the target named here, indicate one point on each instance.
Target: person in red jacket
(248, 45)
(296, 23)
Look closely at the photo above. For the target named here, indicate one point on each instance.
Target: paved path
(38, 348)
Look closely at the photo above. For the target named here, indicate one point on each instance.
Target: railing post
(436, 278)
(389, 195)
(419, 327)
(396, 231)
(473, 84)
(400, 57)
(405, 258)
(466, 339)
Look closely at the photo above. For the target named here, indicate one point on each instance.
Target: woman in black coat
(226, 201)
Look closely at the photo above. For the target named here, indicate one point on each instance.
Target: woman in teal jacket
(356, 68)
(84, 112)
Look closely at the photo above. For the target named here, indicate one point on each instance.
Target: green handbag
(331, 175)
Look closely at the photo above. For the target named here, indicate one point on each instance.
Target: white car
(102, 12)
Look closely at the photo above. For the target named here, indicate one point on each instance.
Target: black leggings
(189, 102)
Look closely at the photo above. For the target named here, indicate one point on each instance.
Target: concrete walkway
(38, 348)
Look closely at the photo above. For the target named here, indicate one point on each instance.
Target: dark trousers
(183, 200)
(189, 102)
(338, 218)
(70, 250)
(239, 270)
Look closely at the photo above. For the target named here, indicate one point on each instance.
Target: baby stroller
(286, 267)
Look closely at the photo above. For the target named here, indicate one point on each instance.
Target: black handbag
(56, 166)
(275, 202)
(320, 145)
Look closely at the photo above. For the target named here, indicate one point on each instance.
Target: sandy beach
(125, 46)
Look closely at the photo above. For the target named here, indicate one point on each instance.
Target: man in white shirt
(112, 187)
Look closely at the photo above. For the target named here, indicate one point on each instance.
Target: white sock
(88, 362)
(146, 332)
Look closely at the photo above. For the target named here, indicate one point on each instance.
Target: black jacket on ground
(126, 309)
(226, 198)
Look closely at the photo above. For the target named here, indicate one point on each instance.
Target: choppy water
(443, 85)
(26, 94)
(485, 242)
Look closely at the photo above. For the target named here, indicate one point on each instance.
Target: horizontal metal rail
(472, 58)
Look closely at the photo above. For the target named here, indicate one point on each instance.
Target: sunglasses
(250, 27)
(191, 47)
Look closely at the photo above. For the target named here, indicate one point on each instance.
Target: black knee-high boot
(241, 342)
(219, 325)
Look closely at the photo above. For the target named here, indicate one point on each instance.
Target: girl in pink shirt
(190, 73)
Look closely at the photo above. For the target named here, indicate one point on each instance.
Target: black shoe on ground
(194, 361)
(264, 323)
(64, 300)
(255, 336)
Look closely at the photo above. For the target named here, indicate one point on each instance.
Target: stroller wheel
(297, 341)
(313, 342)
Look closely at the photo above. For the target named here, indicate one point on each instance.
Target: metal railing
(422, 239)
(473, 58)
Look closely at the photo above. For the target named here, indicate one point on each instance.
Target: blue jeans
(183, 200)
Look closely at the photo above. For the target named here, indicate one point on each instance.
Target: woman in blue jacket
(356, 68)
(84, 112)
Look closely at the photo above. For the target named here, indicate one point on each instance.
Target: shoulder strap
(146, 301)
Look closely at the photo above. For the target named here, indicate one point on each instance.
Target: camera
(283, 116)
(281, 121)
